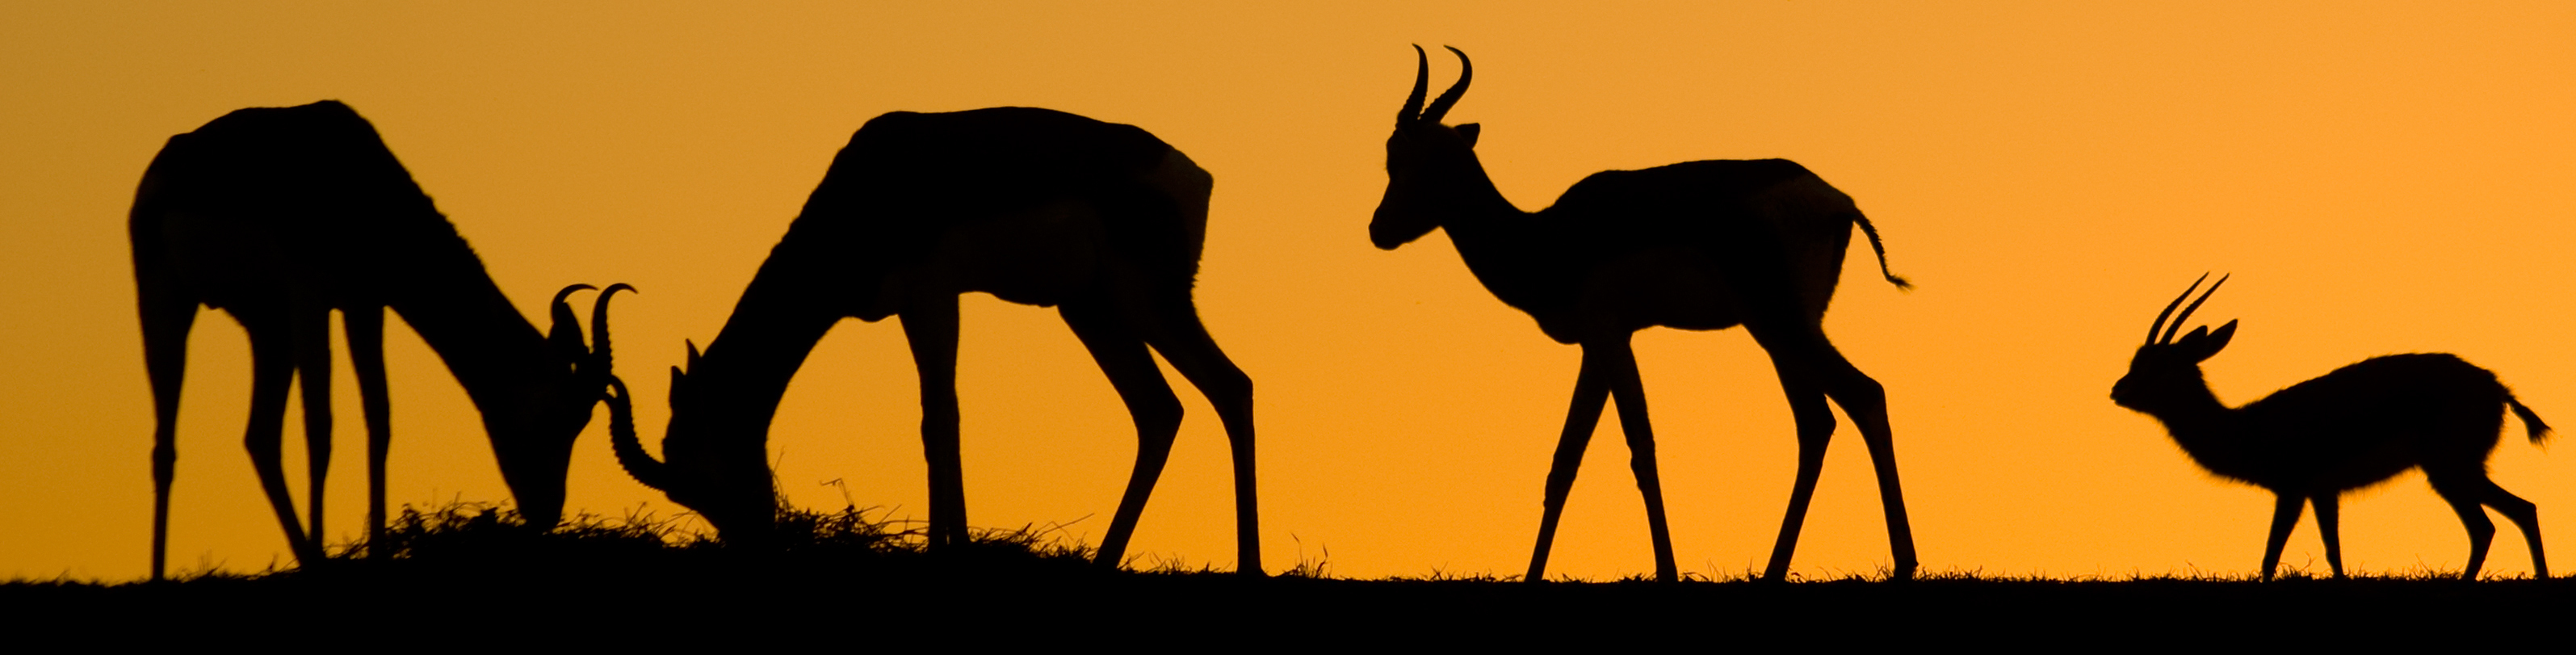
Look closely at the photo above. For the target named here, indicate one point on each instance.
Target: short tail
(1881, 249)
(2530, 421)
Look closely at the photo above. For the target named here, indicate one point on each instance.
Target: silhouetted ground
(460, 578)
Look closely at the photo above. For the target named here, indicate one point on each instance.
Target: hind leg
(1815, 429)
(272, 371)
(312, 335)
(366, 328)
(2524, 515)
(2463, 490)
(1176, 332)
(1150, 403)
(1803, 348)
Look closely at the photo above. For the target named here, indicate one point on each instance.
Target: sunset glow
(2378, 177)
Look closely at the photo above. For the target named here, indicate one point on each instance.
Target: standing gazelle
(1703, 245)
(279, 216)
(2352, 428)
(1034, 206)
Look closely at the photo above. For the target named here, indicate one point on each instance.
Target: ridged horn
(564, 335)
(630, 449)
(1440, 107)
(1421, 85)
(599, 353)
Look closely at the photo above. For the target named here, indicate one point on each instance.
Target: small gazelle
(2353, 427)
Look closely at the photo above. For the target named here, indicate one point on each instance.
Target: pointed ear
(1469, 132)
(2202, 344)
(2218, 340)
(677, 378)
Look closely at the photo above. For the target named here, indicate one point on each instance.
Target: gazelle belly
(1671, 287)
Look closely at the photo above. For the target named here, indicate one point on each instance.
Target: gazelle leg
(2463, 490)
(1150, 402)
(312, 335)
(272, 369)
(1631, 394)
(167, 319)
(1866, 402)
(2524, 515)
(2285, 515)
(1815, 429)
(1184, 342)
(930, 327)
(1591, 390)
(2327, 528)
(366, 330)
(1805, 349)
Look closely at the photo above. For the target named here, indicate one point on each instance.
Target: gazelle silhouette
(2349, 429)
(1034, 206)
(1703, 245)
(278, 216)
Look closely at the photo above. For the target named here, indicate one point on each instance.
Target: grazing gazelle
(2353, 427)
(1703, 245)
(1034, 206)
(278, 216)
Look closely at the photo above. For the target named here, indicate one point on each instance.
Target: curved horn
(2159, 325)
(630, 450)
(2195, 306)
(564, 335)
(599, 356)
(1440, 107)
(1421, 85)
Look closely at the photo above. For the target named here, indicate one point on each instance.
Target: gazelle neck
(734, 389)
(500, 358)
(2195, 418)
(1503, 246)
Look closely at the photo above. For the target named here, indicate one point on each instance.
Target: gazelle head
(2166, 370)
(1425, 160)
(732, 489)
(535, 447)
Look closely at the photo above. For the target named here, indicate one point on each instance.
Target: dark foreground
(455, 580)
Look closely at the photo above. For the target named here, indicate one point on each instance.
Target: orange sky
(2379, 178)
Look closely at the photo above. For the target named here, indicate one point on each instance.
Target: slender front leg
(312, 334)
(2326, 527)
(1631, 394)
(366, 329)
(167, 319)
(930, 326)
(2285, 515)
(1150, 403)
(168, 310)
(1591, 390)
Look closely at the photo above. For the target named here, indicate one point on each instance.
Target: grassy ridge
(462, 573)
